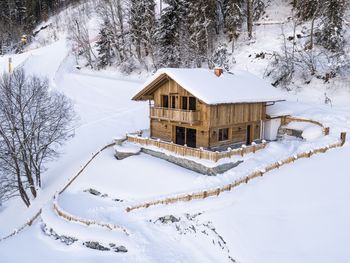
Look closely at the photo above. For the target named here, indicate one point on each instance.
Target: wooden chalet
(202, 108)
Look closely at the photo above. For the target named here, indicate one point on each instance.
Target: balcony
(176, 115)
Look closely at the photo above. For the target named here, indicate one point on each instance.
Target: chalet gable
(212, 89)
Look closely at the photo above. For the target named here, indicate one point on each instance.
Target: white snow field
(298, 213)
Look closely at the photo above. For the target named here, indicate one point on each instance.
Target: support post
(343, 138)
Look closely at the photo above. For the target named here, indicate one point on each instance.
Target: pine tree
(202, 17)
(105, 46)
(168, 34)
(20, 12)
(331, 36)
(306, 9)
(233, 17)
(142, 26)
(220, 57)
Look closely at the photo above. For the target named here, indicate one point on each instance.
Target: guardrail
(195, 152)
(246, 179)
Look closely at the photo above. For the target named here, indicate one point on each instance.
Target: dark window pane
(173, 102)
(180, 135)
(165, 101)
(192, 102)
(184, 103)
(191, 138)
(223, 134)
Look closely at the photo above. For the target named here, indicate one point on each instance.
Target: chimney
(218, 71)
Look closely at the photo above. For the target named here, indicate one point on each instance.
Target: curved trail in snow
(63, 65)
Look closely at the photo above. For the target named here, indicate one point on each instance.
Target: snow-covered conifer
(105, 46)
(331, 36)
(142, 27)
(220, 57)
(168, 34)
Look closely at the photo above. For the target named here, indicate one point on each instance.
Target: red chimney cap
(218, 71)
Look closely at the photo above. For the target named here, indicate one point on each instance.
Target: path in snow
(104, 111)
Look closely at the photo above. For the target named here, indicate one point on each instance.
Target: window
(223, 134)
(173, 101)
(192, 103)
(184, 103)
(165, 101)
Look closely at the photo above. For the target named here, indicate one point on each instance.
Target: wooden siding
(171, 88)
(237, 134)
(230, 114)
(161, 130)
(167, 132)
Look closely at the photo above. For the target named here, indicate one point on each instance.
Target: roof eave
(144, 94)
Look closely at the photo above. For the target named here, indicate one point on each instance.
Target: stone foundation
(191, 165)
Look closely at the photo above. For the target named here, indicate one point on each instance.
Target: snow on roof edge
(243, 86)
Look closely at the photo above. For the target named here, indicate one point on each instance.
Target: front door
(191, 138)
(180, 135)
(249, 132)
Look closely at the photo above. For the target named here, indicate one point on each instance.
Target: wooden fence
(72, 218)
(184, 197)
(288, 119)
(59, 211)
(246, 179)
(195, 152)
(16, 231)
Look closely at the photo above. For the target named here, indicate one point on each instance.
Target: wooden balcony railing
(178, 115)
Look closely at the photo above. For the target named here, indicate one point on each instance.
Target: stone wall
(192, 165)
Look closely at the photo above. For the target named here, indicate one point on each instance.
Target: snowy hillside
(297, 213)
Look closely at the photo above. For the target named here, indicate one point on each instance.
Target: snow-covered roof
(277, 110)
(230, 87)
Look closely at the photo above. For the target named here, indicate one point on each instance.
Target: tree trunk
(21, 189)
(250, 18)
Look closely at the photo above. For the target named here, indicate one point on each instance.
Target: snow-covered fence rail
(288, 119)
(195, 152)
(28, 223)
(64, 214)
(246, 179)
(72, 218)
(84, 167)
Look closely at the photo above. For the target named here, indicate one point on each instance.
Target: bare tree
(80, 37)
(33, 123)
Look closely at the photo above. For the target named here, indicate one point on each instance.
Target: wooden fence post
(326, 131)
(205, 194)
(343, 138)
(216, 156)
(254, 146)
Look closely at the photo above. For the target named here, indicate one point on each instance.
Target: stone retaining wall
(192, 165)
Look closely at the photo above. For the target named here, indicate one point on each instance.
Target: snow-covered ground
(295, 214)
